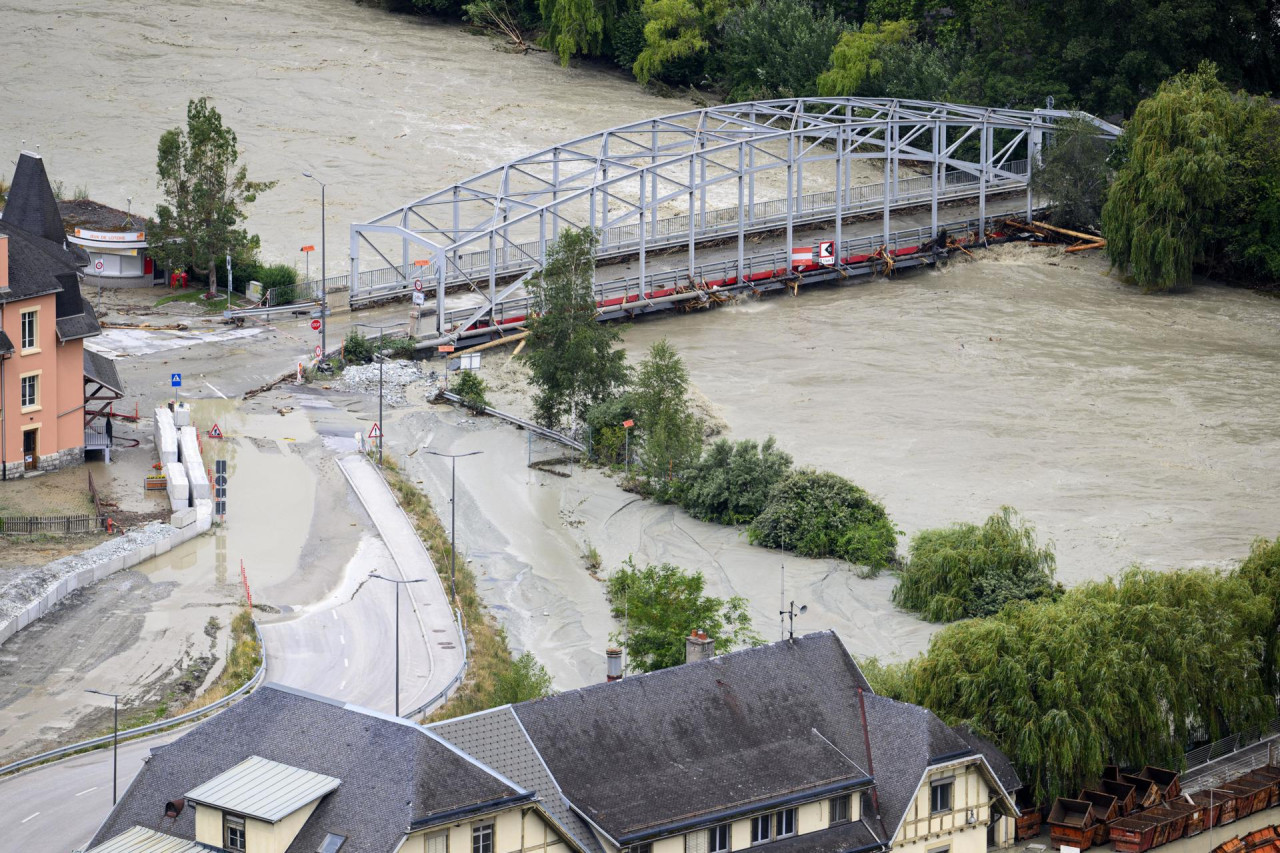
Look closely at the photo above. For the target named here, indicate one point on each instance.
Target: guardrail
(521, 422)
(1231, 744)
(439, 698)
(159, 725)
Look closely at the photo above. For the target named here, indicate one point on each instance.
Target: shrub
(470, 387)
(731, 482)
(608, 438)
(282, 279)
(966, 570)
(406, 348)
(525, 679)
(356, 348)
(820, 514)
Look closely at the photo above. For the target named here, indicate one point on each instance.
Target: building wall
(926, 832)
(810, 817)
(60, 368)
(515, 830)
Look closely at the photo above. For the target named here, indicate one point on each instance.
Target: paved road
(344, 646)
(59, 807)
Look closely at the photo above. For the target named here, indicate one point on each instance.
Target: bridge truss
(692, 179)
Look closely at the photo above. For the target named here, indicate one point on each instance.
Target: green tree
(661, 605)
(776, 48)
(575, 26)
(856, 60)
(671, 433)
(205, 194)
(571, 355)
(1074, 176)
(525, 679)
(731, 482)
(820, 514)
(917, 70)
(605, 422)
(677, 36)
(471, 388)
(1261, 570)
(965, 570)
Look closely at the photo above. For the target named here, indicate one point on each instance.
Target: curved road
(341, 647)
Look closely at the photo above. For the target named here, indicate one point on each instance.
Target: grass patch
(242, 662)
(493, 677)
(195, 297)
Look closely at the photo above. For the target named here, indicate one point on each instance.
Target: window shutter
(438, 843)
(696, 842)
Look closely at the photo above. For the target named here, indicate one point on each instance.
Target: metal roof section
(143, 840)
(262, 789)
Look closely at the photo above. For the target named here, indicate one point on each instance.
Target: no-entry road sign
(319, 352)
(315, 325)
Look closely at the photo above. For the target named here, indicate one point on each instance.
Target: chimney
(697, 646)
(613, 657)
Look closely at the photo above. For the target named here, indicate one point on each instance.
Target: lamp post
(115, 737)
(398, 583)
(382, 428)
(324, 294)
(453, 516)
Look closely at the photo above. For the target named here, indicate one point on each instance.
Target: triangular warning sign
(215, 432)
(376, 432)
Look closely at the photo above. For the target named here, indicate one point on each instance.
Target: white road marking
(333, 613)
(216, 391)
(25, 819)
(87, 790)
(342, 639)
(345, 662)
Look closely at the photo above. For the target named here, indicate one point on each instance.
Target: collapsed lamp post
(115, 738)
(398, 583)
(324, 291)
(453, 516)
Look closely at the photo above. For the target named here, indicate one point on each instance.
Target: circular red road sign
(315, 325)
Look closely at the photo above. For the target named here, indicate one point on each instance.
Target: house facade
(45, 422)
(780, 749)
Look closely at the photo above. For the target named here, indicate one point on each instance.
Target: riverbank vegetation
(969, 570)
(1128, 671)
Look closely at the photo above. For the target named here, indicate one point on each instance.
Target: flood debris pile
(397, 376)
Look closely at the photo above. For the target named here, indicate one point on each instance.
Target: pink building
(53, 392)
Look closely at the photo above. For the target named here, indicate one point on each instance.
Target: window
(840, 809)
(30, 391)
(718, 839)
(233, 832)
(940, 797)
(438, 842)
(29, 330)
(785, 823)
(642, 848)
(333, 842)
(482, 838)
(760, 828)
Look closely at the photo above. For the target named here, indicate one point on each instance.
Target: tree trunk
(213, 277)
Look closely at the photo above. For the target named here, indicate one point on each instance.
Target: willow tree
(858, 58)
(206, 191)
(576, 26)
(1175, 177)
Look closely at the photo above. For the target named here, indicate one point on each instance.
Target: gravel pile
(29, 586)
(396, 377)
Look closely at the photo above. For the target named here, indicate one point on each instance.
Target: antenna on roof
(792, 613)
(782, 622)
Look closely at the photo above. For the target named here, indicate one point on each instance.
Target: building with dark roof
(783, 747)
(115, 240)
(47, 417)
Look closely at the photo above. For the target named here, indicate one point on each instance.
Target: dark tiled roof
(36, 266)
(693, 740)
(102, 370)
(392, 772)
(82, 325)
(842, 838)
(85, 213)
(1000, 763)
(30, 204)
(6, 345)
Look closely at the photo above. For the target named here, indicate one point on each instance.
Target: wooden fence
(32, 524)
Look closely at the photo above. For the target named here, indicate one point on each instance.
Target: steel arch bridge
(689, 180)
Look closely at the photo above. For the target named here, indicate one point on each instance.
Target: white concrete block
(84, 577)
(181, 519)
(7, 630)
(181, 415)
(163, 546)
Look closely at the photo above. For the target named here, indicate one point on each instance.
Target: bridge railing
(620, 240)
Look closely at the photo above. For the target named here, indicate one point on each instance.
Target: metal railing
(160, 725)
(521, 422)
(443, 695)
(621, 240)
(1231, 744)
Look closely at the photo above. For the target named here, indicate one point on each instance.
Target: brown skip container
(1146, 791)
(1106, 808)
(1231, 845)
(1271, 775)
(1125, 794)
(1250, 795)
(1071, 822)
(1211, 805)
(1259, 838)
(1134, 834)
(1167, 780)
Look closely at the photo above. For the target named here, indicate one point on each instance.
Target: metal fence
(1232, 743)
(23, 525)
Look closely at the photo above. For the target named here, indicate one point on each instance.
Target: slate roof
(102, 370)
(81, 324)
(30, 204)
(496, 738)
(1000, 763)
(393, 772)
(843, 838)
(36, 266)
(734, 732)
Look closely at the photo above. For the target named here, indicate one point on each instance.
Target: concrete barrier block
(64, 587)
(115, 564)
(163, 546)
(84, 577)
(7, 630)
(146, 552)
(183, 517)
(181, 415)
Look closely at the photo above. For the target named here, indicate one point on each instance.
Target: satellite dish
(804, 608)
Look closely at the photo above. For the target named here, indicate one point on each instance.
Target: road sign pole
(381, 431)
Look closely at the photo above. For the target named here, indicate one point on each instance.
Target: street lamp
(324, 291)
(382, 428)
(115, 737)
(398, 584)
(453, 516)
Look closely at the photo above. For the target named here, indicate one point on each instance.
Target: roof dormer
(258, 805)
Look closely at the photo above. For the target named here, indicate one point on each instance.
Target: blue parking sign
(175, 379)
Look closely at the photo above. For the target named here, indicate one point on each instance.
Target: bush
(282, 279)
(628, 38)
(731, 482)
(356, 348)
(965, 570)
(776, 49)
(405, 348)
(525, 679)
(820, 514)
(470, 387)
(608, 438)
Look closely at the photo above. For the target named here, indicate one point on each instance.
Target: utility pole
(382, 428)
(115, 738)
(453, 516)
(324, 291)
